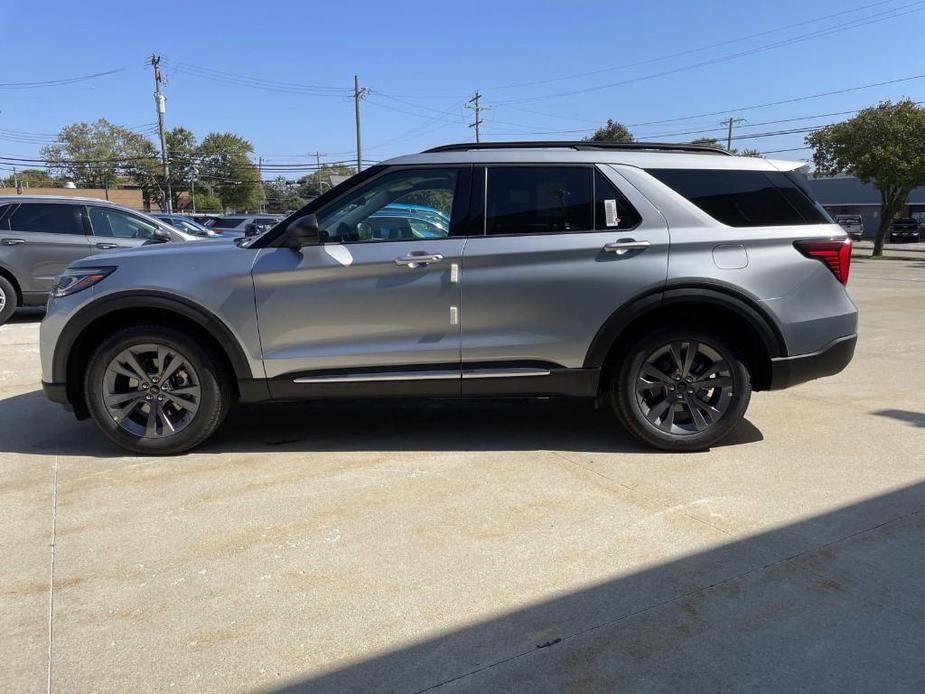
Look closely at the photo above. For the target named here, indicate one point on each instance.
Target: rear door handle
(12, 242)
(418, 260)
(104, 246)
(625, 245)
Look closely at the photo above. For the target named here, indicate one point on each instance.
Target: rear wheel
(7, 300)
(153, 390)
(681, 389)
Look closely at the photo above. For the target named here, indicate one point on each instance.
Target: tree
(883, 144)
(93, 155)
(206, 202)
(314, 184)
(226, 164)
(708, 141)
(713, 142)
(278, 193)
(182, 155)
(30, 178)
(611, 131)
(749, 153)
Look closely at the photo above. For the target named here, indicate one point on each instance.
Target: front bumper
(57, 392)
(789, 371)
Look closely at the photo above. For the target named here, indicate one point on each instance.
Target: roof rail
(584, 145)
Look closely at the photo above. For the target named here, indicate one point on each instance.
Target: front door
(114, 228)
(562, 248)
(39, 240)
(376, 304)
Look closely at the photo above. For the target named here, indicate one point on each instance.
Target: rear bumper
(789, 371)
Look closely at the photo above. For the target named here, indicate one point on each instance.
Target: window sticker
(611, 218)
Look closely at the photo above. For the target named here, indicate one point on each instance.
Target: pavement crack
(51, 569)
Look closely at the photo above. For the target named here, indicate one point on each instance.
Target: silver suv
(668, 281)
(40, 235)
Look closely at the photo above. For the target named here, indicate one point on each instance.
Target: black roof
(583, 145)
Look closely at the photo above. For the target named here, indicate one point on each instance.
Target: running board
(424, 375)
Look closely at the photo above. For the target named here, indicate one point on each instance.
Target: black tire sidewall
(11, 304)
(213, 405)
(623, 391)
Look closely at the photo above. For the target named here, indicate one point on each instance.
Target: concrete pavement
(478, 546)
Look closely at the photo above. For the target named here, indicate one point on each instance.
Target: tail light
(835, 253)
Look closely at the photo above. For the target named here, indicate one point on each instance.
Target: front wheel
(153, 390)
(7, 300)
(680, 389)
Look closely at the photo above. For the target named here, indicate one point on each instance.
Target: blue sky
(422, 60)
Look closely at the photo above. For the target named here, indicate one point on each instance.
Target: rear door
(562, 248)
(38, 240)
(114, 228)
(378, 311)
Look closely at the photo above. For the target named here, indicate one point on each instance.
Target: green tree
(30, 178)
(749, 153)
(206, 202)
(277, 193)
(90, 154)
(225, 163)
(708, 141)
(611, 131)
(294, 202)
(314, 184)
(182, 152)
(885, 145)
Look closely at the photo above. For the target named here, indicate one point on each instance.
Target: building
(129, 198)
(848, 195)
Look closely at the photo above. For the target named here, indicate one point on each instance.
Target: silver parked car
(666, 280)
(40, 235)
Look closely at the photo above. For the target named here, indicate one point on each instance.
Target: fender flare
(718, 293)
(99, 308)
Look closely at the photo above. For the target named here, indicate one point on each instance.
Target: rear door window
(745, 198)
(118, 224)
(46, 218)
(538, 199)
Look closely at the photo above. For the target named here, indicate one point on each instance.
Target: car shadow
(31, 424)
(914, 418)
(830, 603)
(27, 315)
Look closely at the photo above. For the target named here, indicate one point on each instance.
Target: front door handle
(12, 242)
(105, 246)
(625, 245)
(413, 260)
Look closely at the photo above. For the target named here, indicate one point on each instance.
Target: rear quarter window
(746, 198)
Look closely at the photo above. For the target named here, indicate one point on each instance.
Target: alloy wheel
(684, 387)
(151, 390)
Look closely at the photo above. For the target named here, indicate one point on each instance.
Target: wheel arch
(84, 331)
(8, 275)
(726, 308)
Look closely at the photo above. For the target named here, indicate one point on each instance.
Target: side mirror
(303, 232)
(159, 236)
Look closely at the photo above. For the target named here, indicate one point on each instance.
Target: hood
(184, 254)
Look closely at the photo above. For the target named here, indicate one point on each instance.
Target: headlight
(76, 279)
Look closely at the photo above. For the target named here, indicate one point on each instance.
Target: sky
(281, 73)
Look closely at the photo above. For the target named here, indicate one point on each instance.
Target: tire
(655, 393)
(7, 300)
(188, 405)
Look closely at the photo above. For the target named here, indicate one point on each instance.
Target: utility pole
(475, 103)
(194, 171)
(161, 103)
(263, 188)
(16, 182)
(357, 95)
(730, 122)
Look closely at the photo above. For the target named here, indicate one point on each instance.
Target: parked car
(40, 235)
(237, 225)
(552, 279)
(853, 224)
(187, 224)
(904, 229)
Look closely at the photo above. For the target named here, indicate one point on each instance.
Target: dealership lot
(478, 546)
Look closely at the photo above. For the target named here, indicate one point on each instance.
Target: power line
(892, 14)
(780, 102)
(260, 83)
(689, 51)
(57, 83)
